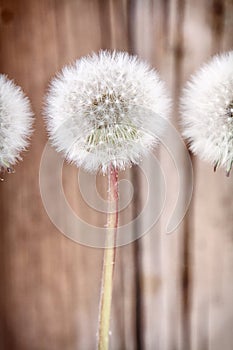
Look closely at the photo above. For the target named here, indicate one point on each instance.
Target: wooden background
(171, 292)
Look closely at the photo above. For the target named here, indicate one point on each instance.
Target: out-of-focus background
(171, 292)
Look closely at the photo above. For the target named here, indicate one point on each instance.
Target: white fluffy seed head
(207, 112)
(15, 123)
(106, 108)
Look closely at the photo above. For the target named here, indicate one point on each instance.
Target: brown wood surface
(171, 292)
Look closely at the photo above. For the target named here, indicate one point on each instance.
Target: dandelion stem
(109, 261)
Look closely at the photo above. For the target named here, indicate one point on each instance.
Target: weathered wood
(170, 291)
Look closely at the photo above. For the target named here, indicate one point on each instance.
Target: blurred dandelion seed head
(207, 111)
(15, 123)
(106, 108)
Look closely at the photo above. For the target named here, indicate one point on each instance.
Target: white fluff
(106, 108)
(15, 123)
(207, 111)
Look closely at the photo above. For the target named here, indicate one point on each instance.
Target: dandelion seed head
(106, 108)
(207, 111)
(15, 123)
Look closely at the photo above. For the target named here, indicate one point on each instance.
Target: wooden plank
(47, 299)
(209, 230)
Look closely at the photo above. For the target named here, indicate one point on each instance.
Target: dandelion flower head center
(230, 110)
(111, 125)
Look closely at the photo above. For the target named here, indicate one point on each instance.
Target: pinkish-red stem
(109, 260)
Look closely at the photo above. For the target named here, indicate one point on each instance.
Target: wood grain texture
(171, 292)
